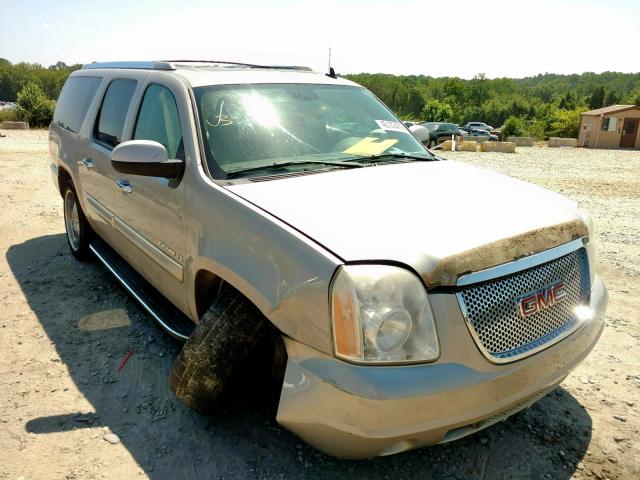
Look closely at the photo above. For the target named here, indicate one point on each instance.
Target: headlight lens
(381, 314)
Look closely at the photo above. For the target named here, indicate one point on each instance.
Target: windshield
(247, 126)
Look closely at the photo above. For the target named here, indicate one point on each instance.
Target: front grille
(492, 308)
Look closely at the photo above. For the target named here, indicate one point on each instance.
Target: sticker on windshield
(391, 126)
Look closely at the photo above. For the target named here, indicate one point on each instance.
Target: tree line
(541, 106)
(34, 87)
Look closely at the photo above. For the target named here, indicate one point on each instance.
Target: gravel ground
(68, 412)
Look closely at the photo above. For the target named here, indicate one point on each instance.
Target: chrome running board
(168, 316)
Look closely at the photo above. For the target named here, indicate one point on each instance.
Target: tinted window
(113, 112)
(74, 101)
(158, 120)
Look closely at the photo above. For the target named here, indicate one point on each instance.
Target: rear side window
(158, 120)
(113, 112)
(74, 101)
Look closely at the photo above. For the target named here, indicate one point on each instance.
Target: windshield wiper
(386, 156)
(283, 165)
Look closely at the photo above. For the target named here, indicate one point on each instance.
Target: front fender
(285, 274)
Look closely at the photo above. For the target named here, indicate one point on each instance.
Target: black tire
(77, 228)
(216, 351)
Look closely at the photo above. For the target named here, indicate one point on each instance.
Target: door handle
(87, 162)
(124, 185)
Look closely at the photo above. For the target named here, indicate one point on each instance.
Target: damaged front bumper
(355, 411)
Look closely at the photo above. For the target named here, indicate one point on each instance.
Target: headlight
(381, 314)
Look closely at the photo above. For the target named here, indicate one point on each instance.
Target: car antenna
(332, 72)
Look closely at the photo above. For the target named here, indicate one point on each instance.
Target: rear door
(96, 171)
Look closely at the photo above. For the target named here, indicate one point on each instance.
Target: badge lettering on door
(171, 252)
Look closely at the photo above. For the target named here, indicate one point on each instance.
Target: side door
(148, 210)
(95, 166)
(629, 132)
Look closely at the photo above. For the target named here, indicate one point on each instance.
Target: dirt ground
(68, 412)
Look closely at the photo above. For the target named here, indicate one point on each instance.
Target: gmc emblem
(543, 298)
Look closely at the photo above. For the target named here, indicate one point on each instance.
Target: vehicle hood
(441, 218)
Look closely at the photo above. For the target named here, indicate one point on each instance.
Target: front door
(148, 210)
(629, 132)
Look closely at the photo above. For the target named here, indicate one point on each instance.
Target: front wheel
(79, 233)
(225, 340)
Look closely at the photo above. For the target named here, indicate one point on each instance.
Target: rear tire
(79, 232)
(216, 351)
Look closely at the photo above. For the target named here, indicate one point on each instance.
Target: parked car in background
(441, 131)
(476, 132)
(478, 126)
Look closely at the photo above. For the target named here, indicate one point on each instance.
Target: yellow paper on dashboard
(370, 146)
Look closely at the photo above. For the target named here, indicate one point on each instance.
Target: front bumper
(353, 411)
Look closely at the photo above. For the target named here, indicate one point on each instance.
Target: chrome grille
(491, 308)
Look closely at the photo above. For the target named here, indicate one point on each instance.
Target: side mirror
(146, 158)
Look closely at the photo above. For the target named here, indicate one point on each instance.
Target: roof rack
(171, 65)
(133, 65)
(241, 64)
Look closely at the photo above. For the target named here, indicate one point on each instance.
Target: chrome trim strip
(100, 209)
(153, 252)
(522, 263)
(135, 295)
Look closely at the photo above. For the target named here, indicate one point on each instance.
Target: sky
(499, 38)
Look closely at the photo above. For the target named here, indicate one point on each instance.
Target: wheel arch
(206, 289)
(64, 179)
(294, 309)
(206, 282)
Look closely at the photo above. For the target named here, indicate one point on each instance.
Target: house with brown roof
(615, 126)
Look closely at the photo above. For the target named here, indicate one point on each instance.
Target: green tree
(479, 89)
(513, 126)
(565, 123)
(611, 98)
(597, 98)
(537, 128)
(34, 107)
(437, 111)
(635, 98)
(568, 101)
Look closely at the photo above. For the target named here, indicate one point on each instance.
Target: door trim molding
(174, 268)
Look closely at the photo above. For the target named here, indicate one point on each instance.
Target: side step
(170, 318)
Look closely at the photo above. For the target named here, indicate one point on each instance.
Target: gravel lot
(67, 412)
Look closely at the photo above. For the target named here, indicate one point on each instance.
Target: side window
(74, 101)
(158, 120)
(113, 112)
